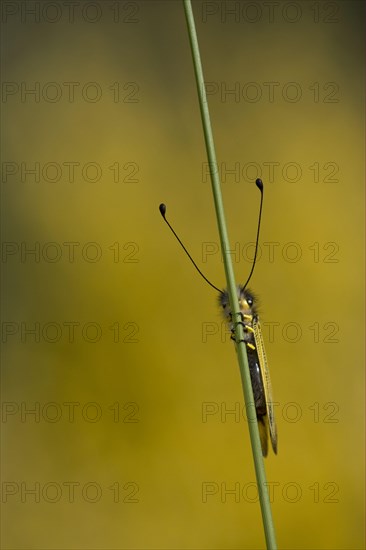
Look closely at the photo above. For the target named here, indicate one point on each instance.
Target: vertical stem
(232, 290)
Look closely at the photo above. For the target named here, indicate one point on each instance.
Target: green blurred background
(137, 439)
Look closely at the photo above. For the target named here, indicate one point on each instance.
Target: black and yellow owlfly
(257, 359)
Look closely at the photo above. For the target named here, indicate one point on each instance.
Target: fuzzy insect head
(248, 308)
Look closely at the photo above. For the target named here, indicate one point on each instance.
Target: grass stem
(231, 285)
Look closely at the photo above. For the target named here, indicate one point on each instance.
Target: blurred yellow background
(137, 438)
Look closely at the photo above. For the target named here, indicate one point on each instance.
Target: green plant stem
(234, 304)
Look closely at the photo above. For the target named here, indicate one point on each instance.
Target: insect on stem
(249, 320)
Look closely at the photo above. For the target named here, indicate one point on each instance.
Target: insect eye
(250, 301)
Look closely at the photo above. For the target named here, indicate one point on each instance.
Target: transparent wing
(266, 382)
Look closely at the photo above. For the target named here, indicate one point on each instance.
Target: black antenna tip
(259, 184)
(162, 209)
